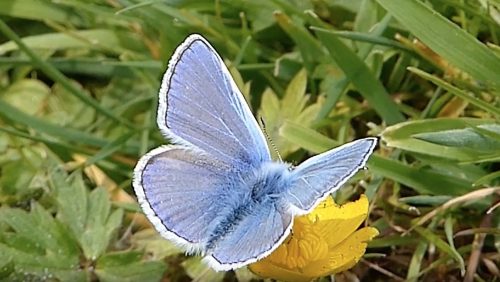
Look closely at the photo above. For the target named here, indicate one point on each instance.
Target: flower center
(304, 246)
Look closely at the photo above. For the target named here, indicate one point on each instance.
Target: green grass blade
(369, 38)
(37, 124)
(448, 228)
(362, 78)
(416, 262)
(334, 92)
(456, 91)
(45, 11)
(46, 141)
(309, 47)
(57, 76)
(448, 40)
(109, 148)
(441, 245)
(305, 137)
(424, 181)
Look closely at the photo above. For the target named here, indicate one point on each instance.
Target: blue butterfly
(217, 192)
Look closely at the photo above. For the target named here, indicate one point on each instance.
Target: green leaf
(119, 258)
(25, 93)
(361, 77)
(89, 216)
(292, 107)
(444, 37)
(96, 237)
(425, 200)
(39, 246)
(465, 138)
(7, 267)
(149, 241)
(127, 266)
(71, 196)
(404, 136)
(199, 271)
(340, 85)
(17, 177)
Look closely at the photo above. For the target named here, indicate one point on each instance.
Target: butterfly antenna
(269, 139)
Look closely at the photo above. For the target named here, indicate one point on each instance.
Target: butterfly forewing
(200, 105)
(322, 174)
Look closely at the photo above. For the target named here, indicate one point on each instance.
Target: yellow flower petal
(335, 222)
(323, 242)
(268, 270)
(344, 255)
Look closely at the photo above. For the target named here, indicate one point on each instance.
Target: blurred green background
(78, 99)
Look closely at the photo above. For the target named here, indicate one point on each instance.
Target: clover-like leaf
(292, 107)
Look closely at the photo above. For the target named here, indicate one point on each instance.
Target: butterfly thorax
(268, 181)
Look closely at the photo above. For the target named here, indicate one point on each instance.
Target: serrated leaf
(16, 177)
(119, 258)
(295, 97)
(199, 271)
(95, 238)
(127, 266)
(49, 250)
(292, 107)
(154, 245)
(6, 267)
(71, 196)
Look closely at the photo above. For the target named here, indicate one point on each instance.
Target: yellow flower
(323, 242)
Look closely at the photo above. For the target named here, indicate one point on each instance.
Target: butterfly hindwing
(177, 188)
(323, 174)
(200, 105)
(254, 237)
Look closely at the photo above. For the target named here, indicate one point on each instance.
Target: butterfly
(216, 191)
